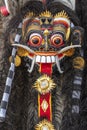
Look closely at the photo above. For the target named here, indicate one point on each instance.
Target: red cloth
(48, 113)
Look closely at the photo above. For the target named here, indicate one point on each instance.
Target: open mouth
(45, 57)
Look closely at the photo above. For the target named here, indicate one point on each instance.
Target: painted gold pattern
(68, 33)
(56, 28)
(33, 27)
(44, 125)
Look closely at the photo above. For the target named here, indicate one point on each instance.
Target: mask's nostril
(51, 49)
(41, 49)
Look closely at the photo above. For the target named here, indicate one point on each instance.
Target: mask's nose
(46, 33)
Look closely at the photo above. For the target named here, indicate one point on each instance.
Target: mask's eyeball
(57, 40)
(35, 40)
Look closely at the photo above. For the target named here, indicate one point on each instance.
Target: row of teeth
(45, 59)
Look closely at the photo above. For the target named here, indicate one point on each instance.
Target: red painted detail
(4, 11)
(48, 113)
(60, 55)
(35, 21)
(50, 28)
(46, 68)
(61, 22)
(31, 55)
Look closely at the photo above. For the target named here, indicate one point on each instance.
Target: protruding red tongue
(46, 68)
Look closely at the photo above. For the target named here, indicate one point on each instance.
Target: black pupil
(57, 41)
(35, 41)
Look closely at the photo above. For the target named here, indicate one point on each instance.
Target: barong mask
(45, 38)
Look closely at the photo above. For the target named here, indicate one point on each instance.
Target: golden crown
(61, 14)
(48, 14)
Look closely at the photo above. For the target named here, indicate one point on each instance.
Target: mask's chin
(45, 57)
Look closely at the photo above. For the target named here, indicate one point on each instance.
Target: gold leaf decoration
(44, 84)
(78, 62)
(17, 60)
(22, 52)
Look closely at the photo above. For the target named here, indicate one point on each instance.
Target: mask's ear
(77, 34)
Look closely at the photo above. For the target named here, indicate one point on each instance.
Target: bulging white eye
(35, 40)
(56, 40)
